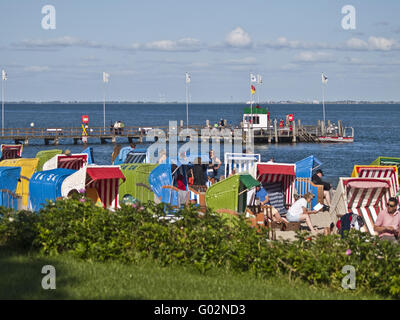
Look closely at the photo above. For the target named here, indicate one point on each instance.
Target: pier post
(113, 139)
(276, 131)
(322, 128)
(181, 123)
(207, 123)
(294, 132)
(340, 128)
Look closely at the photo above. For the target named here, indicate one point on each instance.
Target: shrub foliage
(132, 233)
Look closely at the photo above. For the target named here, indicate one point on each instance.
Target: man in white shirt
(299, 212)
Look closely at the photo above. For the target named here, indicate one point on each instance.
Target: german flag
(253, 89)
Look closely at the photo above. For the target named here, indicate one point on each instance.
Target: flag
(106, 77)
(259, 79)
(187, 77)
(253, 78)
(324, 79)
(253, 89)
(3, 75)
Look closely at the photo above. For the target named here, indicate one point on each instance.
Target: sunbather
(299, 212)
(388, 222)
(317, 179)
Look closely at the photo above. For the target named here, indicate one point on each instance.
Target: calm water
(376, 128)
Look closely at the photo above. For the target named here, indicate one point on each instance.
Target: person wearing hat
(317, 179)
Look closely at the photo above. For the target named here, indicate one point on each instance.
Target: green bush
(132, 233)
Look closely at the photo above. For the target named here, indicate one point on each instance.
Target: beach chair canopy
(8, 185)
(121, 157)
(46, 185)
(28, 167)
(137, 155)
(105, 179)
(166, 174)
(372, 171)
(241, 163)
(73, 161)
(137, 181)
(89, 152)
(305, 167)
(11, 151)
(364, 196)
(386, 161)
(46, 155)
(230, 193)
(278, 177)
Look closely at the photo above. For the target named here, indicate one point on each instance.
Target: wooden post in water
(294, 132)
(276, 131)
(207, 123)
(181, 123)
(322, 128)
(340, 128)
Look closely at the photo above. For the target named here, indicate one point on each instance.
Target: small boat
(335, 139)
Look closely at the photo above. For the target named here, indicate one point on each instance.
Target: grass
(20, 278)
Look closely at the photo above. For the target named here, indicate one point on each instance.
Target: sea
(376, 128)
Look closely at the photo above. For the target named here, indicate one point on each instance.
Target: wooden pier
(271, 134)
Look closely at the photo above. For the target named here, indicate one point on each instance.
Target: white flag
(187, 77)
(324, 79)
(3, 75)
(106, 77)
(259, 79)
(253, 78)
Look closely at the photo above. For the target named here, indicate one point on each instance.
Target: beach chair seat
(276, 197)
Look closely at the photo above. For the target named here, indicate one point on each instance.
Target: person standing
(213, 166)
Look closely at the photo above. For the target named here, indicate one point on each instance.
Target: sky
(147, 46)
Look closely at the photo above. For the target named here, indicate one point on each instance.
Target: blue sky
(147, 46)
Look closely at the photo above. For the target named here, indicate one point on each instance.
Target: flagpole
(187, 105)
(2, 106)
(323, 102)
(104, 107)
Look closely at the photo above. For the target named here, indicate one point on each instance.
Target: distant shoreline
(180, 102)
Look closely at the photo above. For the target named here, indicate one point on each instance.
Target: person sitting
(316, 179)
(388, 222)
(262, 196)
(298, 212)
(182, 193)
(197, 173)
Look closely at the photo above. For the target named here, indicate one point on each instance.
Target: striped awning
(390, 172)
(367, 197)
(72, 161)
(106, 181)
(283, 173)
(11, 151)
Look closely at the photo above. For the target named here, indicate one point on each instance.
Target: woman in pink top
(388, 223)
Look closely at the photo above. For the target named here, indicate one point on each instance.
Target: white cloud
(186, 44)
(36, 69)
(65, 41)
(374, 43)
(238, 38)
(355, 43)
(242, 61)
(311, 56)
(381, 43)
